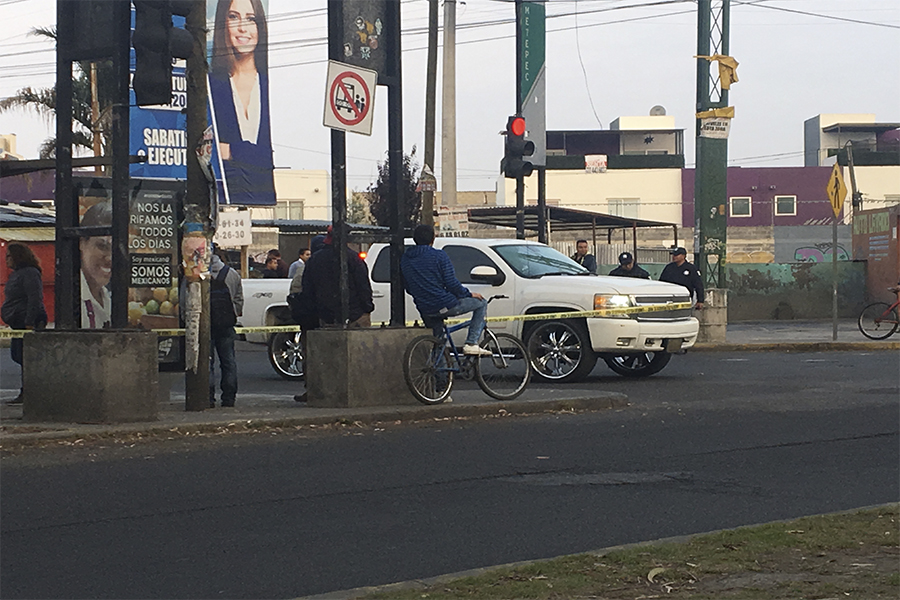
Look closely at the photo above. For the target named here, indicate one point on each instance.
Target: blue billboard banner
(159, 133)
(239, 101)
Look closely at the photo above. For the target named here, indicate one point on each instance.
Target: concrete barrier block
(714, 316)
(358, 367)
(91, 376)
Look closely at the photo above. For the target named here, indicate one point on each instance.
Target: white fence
(608, 254)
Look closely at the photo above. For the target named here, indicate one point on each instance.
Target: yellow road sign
(836, 189)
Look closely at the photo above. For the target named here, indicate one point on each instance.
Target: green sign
(532, 100)
(532, 26)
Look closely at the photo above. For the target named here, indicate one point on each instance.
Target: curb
(795, 347)
(62, 432)
(421, 584)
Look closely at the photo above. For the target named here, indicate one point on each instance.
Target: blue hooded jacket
(430, 279)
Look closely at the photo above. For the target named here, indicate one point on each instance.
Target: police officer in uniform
(682, 272)
(628, 268)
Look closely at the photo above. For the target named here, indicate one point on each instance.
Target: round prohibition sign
(359, 112)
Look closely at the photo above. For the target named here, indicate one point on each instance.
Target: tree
(410, 200)
(358, 209)
(43, 102)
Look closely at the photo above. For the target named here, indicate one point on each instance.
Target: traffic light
(517, 148)
(156, 42)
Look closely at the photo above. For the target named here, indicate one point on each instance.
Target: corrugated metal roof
(28, 234)
(13, 215)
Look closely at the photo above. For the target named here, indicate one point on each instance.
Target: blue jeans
(222, 343)
(477, 307)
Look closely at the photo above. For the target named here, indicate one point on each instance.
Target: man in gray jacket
(226, 300)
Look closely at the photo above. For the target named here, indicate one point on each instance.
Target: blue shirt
(429, 278)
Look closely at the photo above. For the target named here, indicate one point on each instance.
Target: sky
(605, 59)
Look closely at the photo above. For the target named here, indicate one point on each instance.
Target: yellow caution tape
(575, 314)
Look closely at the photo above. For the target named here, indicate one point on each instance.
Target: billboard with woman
(239, 100)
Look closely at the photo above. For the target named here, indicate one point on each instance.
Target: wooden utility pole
(196, 205)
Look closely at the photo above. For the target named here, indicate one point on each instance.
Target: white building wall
(880, 185)
(653, 194)
(816, 142)
(301, 194)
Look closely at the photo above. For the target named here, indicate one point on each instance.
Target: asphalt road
(716, 440)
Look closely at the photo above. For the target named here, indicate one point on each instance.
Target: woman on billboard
(239, 86)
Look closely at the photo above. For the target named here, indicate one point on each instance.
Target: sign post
(836, 191)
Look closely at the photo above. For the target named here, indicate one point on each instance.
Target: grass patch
(847, 555)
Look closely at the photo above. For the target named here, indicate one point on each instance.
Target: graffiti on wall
(820, 253)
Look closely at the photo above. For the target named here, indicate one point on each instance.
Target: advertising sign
(715, 127)
(159, 133)
(153, 243)
(233, 229)
(595, 163)
(452, 221)
(239, 101)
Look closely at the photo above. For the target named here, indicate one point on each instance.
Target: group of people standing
(679, 271)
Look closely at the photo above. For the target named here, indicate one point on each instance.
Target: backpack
(221, 308)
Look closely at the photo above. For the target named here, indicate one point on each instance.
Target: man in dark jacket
(581, 256)
(682, 272)
(430, 279)
(322, 288)
(628, 268)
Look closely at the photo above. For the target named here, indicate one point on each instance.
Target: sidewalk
(256, 411)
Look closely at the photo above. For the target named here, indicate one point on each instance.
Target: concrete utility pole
(448, 108)
(196, 207)
(430, 88)
(711, 173)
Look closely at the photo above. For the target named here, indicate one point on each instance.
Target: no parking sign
(349, 95)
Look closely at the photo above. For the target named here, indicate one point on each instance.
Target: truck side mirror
(486, 274)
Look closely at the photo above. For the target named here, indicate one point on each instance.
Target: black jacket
(587, 261)
(23, 305)
(635, 271)
(321, 286)
(686, 275)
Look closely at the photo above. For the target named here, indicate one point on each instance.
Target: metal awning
(358, 232)
(860, 127)
(559, 219)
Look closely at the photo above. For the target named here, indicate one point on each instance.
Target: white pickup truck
(535, 279)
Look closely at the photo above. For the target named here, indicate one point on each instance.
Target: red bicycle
(878, 320)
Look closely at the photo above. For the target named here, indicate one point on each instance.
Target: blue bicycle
(431, 363)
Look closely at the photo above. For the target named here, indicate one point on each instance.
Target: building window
(785, 205)
(740, 206)
(289, 209)
(623, 207)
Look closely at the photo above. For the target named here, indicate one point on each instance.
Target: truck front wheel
(638, 365)
(561, 351)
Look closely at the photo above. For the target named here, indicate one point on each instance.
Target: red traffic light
(516, 126)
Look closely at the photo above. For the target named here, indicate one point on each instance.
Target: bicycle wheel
(426, 368)
(878, 321)
(286, 354)
(506, 372)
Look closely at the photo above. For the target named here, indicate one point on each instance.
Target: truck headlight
(607, 301)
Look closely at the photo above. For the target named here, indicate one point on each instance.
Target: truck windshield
(533, 261)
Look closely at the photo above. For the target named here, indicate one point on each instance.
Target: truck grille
(663, 315)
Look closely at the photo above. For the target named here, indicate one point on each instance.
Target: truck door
(464, 259)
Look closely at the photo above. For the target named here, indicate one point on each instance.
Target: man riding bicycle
(430, 279)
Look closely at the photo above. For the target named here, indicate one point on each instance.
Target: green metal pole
(711, 174)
